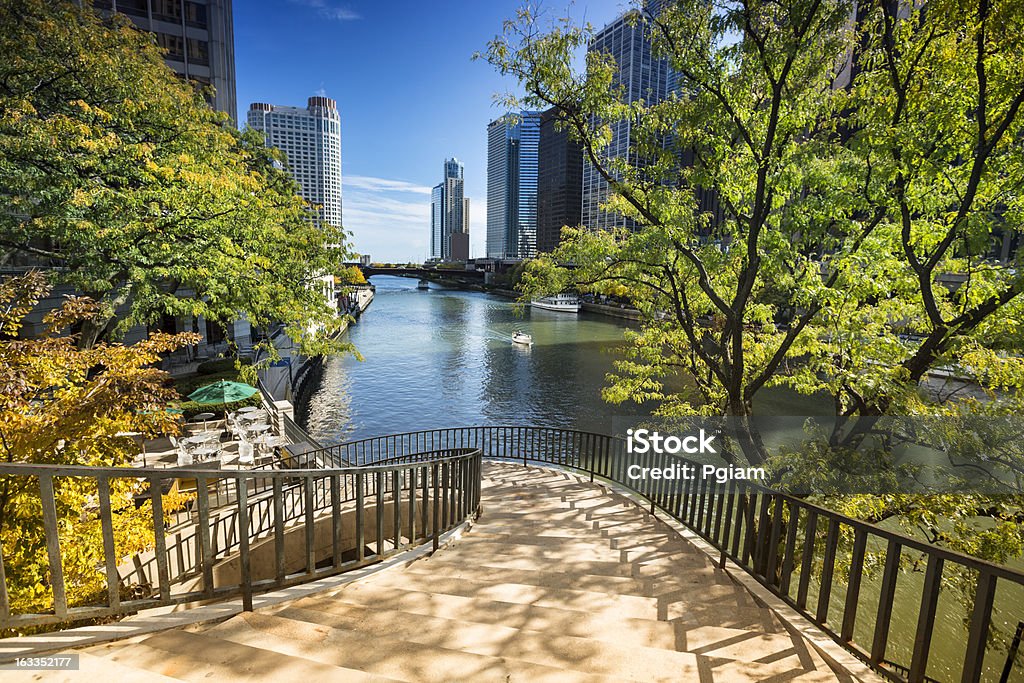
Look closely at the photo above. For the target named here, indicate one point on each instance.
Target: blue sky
(408, 92)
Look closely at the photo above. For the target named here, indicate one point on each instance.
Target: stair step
(545, 649)
(192, 656)
(383, 654)
(598, 626)
(581, 600)
(550, 578)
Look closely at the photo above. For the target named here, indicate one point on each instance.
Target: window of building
(166, 10)
(135, 7)
(195, 14)
(174, 45)
(198, 51)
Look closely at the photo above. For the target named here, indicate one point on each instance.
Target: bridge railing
(368, 513)
(847, 576)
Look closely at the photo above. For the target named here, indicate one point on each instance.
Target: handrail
(395, 506)
(788, 544)
(798, 550)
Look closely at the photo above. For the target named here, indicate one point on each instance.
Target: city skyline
(396, 123)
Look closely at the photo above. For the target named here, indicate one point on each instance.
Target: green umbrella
(222, 392)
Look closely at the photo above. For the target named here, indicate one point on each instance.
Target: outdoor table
(203, 417)
(205, 452)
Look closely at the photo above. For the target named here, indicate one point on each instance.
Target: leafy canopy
(62, 405)
(119, 173)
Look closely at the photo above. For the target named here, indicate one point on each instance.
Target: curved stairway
(559, 580)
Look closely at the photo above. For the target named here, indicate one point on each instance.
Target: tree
(118, 173)
(846, 212)
(62, 405)
(851, 255)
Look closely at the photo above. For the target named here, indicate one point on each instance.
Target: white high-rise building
(311, 140)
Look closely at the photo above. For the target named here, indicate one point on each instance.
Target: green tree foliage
(117, 171)
(851, 256)
(62, 405)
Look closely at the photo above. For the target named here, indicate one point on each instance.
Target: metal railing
(390, 507)
(815, 559)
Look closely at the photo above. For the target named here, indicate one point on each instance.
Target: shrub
(212, 367)
(190, 409)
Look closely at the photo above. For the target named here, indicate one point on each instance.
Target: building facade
(512, 167)
(311, 140)
(559, 182)
(641, 77)
(449, 213)
(198, 36)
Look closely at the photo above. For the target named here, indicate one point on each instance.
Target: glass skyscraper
(512, 157)
(449, 213)
(642, 77)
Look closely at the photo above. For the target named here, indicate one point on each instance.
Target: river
(445, 358)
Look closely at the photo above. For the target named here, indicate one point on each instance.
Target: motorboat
(564, 303)
(519, 337)
(423, 284)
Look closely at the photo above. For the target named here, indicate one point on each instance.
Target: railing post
(981, 617)
(888, 591)
(360, 518)
(926, 619)
(245, 573)
(278, 505)
(434, 471)
(60, 603)
(109, 551)
(164, 579)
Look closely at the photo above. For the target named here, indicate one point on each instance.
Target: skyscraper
(512, 156)
(449, 214)
(559, 182)
(311, 139)
(642, 77)
(198, 35)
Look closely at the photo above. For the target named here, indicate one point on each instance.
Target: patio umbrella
(222, 392)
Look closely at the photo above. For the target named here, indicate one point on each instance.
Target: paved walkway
(558, 581)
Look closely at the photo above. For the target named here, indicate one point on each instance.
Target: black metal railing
(366, 514)
(817, 560)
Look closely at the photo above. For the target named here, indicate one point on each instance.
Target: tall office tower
(642, 77)
(311, 139)
(199, 37)
(559, 182)
(449, 213)
(512, 156)
(436, 219)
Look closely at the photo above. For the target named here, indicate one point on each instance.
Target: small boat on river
(520, 337)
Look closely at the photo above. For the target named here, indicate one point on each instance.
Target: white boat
(423, 284)
(522, 338)
(567, 303)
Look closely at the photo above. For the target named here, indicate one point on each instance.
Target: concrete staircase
(558, 581)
